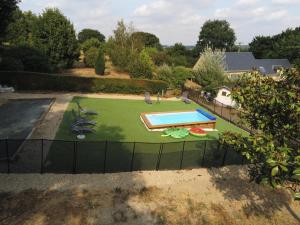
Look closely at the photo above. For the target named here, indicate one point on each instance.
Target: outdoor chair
(80, 121)
(85, 111)
(81, 130)
(148, 98)
(184, 98)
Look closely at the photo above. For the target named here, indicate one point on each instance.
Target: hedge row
(54, 82)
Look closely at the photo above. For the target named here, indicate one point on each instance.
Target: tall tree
(216, 34)
(55, 35)
(283, 45)
(19, 32)
(148, 39)
(7, 7)
(86, 34)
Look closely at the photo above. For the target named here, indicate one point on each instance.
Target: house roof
(269, 64)
(239, 61)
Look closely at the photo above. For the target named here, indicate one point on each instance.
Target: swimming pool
(195, 118)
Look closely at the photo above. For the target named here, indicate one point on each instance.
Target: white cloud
(286, 2)
(247, 2)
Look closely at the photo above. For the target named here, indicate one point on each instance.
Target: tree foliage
(283, 45)
(209, 70)
(7, 7)
(90, 43)
(174, 76)
(273, 109)
(87, 34)
(55, 35)
(90, 56)
(216, 34)
(20, 31)
(142, 65)
(148, 39)
(100, 62)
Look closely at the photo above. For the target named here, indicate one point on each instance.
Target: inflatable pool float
(176, 132)
(197, 131)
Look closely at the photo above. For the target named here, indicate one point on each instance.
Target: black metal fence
(55, 156)
(226, 112)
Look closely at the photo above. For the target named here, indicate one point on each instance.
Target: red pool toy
(197, 131)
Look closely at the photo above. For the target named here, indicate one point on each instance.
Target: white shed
(223, 97)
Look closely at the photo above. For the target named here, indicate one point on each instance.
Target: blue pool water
(176, 118)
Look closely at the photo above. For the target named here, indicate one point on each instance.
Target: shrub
(31, 59)
(142, 65)
(100, 63)
(174, 76)
(90, 43)
(11, 64)
(52, 82)
(90, 56)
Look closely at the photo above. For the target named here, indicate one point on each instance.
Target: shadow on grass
(259, 200)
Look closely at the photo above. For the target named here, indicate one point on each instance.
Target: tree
(100, 63)
(90, 43)
(55, 35)
(273, 109)
(283, 45)
(122, 47)
(148, 39)
(141, 66)
(7, 7)
(20, 31)
(209, 71)
(90, 56)
(216, 34)
(86, 34)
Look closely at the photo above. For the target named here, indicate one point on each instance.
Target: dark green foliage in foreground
(100, 63)
(7, 7)
(273, 108)
(39, 81)
(24, 58)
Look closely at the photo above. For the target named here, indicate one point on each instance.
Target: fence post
(222, 109)
(183, 148)
(105, 153)
(203, 153)
(214, 102)
(42, 156)
(74, 156)
(132, 158)
(7, 156)
(159, 156)
(225, 154)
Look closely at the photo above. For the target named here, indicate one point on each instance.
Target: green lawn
(112, 147)
(119, 120)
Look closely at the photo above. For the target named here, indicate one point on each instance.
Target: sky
(175, 21)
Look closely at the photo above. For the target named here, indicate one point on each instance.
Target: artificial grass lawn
(119, 120)
(119, 123)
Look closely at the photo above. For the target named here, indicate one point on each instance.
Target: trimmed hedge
(55, 82)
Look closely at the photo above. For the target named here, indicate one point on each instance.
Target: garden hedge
(55, 82)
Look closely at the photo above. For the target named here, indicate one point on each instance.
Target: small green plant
(91, 56)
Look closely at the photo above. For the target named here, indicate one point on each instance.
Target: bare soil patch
(90, 72)
(216, 196)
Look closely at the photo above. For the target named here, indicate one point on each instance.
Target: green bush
(31, 59)
(90, 43)
(90, 56)
(11, 64)
(141, 66)
(174, 76)
(100, 63)
(51, 82)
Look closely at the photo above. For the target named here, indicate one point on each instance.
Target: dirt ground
(90, 72)
(216, 196)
